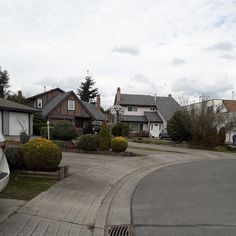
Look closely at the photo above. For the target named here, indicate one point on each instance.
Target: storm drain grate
(119, 230)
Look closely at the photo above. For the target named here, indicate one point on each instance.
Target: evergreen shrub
(119, 144)
(104, 138)
(41, 154)
(88, 142)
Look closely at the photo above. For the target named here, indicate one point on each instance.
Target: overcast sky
(182, 47)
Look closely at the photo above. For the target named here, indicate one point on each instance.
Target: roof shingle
(14, 106)
(167, 106)
(230, 105)
(94, 112)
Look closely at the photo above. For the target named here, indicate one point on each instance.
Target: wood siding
(47, 97)
(62, 110)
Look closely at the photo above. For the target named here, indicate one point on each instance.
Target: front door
(155, 129)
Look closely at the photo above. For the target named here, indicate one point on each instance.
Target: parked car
(96, 126)
(164, 134)
(4, 168)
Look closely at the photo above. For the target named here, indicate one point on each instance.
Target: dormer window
(39, 103)
(71, 105)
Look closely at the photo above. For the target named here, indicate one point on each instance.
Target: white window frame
(71, 105)
(39, 103)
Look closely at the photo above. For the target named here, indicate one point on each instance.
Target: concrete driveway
(97, 195)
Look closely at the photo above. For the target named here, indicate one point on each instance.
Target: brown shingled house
(56, 105)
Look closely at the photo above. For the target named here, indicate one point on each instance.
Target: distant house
(227, 110)
(15, 118)
(57, 105)
(145, 113)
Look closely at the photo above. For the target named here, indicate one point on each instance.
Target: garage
(15, 118)
(18, 122)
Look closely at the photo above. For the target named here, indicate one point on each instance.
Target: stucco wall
(215, 103)
(140, 111)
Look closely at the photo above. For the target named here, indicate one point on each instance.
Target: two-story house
(56, 105)
(145, 113)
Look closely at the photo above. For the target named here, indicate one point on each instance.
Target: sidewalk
(97, 195)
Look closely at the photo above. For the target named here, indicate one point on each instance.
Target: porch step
(3, 175)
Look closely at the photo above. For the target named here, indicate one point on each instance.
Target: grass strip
(25, 188)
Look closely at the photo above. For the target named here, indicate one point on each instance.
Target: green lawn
(25, 188)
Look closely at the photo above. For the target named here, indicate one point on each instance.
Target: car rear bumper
(4, 171)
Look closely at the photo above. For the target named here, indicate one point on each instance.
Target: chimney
(155, 98)
(98, 102)
(20, 93)
(169, 95)
(118, 96)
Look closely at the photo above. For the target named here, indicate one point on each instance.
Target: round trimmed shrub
(41, 154)
(119, 144)
(88, 142)
(64, 130)
(104, 140)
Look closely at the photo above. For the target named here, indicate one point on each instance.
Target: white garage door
(18, 122)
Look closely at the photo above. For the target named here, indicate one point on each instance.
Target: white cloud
(178, 61)
(223, 46)
(195, 87)
(127, 49)
(227, 56)
(61, 39)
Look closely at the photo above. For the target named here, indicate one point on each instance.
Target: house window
(71, 105)
(152, 109)
(39, 103)
(130, 108)
(134, 127)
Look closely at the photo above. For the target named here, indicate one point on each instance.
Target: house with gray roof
(57, 105)
(15, 118)
(145, 113)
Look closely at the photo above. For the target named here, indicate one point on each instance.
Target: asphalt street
(197, 198)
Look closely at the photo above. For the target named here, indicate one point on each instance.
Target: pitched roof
(94, 112)
(136, 99)
(14, 106)
(49, 91)
(167, 106)
(127, 118)
(152, 116)
(230, 105)
(55, 102)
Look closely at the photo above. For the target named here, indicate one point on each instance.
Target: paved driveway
(97, 195)
(196, 198)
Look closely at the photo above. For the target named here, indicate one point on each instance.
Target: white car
(4, 168)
